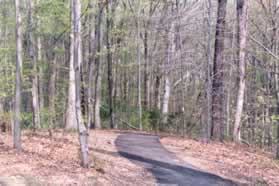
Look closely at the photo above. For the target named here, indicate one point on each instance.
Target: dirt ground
(46, 161)
(240, 163)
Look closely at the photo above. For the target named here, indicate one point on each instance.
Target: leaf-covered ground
(54, 161)
(241, 163)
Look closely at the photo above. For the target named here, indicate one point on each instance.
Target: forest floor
(248, 165)
(54, 161)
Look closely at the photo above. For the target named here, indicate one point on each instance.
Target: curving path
(147, 151)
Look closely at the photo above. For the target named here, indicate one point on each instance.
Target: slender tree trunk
(208, 72)
(116, 88)
(82, 88)
(3, 34)
(109, 61)
(139, 69)
(242, 16)
(92, 53)
(126, 87)
(218, 73)
(276, 68)
(71, 118)
(35, 103)
(31, 50)
(146, 69)
(277, 99)
(94, 48)
(182, 70)
(157, 96)
(230, 84)
(83, 131)
(17, 126)
(166, 97)
(167, 85)
(277, 152)
(228, 104)
(98, 80)
(52, 90)
(41, 74)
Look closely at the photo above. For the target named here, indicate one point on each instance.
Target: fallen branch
(245, 142)
(128, 124)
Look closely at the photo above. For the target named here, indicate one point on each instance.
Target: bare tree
(218, 73)
(139, 66)
(208, 73)
(70, 122)
(83, 131)
(169, 51)
(109, 61)
(17, 127)
(32, 55)
(98, 65)
(147, 54)
(41, 74)
(52, 90)
(242, 18)
(92, 49)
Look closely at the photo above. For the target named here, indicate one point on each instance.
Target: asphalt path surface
(148, 152)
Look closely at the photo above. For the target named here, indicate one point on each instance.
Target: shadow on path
(147, 151)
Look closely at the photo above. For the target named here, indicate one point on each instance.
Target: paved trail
(147, 151)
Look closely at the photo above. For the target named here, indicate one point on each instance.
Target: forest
(192, 73)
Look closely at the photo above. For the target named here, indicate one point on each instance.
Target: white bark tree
(242, 17)
(83, 132)
(71, 120)
(167, 85)
(17, 126)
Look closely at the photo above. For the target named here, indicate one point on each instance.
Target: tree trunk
(139, 70)
(167, 85)
(208, 73)
(17, 127)
(92, 49)
(242, 17)
(71, 119)
(97, 119)
(98, 80)
(109, 61)
(277, 98)
(83, 132)
(51, 91)
(146, 69)
(276, 68)
(31, 51)
(182, 71)
(157, 96)
(166, 97)
(41, 74)
(218, 73)
(230, 84)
